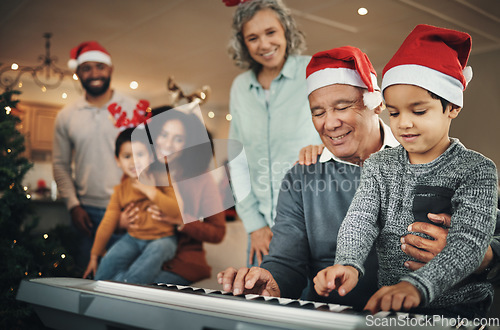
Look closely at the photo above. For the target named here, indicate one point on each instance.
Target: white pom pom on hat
(88, 51)
(344, 65)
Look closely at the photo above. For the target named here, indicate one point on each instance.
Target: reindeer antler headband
(142, 112)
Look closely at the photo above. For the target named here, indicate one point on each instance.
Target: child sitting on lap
(138, 256)
(423, 88)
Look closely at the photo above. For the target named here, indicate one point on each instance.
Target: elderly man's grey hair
(237, 49)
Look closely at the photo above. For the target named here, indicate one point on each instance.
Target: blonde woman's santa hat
(88, 51)
(344, 65)
(433, 58)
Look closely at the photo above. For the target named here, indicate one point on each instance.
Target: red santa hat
(432, 58)
(344, 65)
(88, 51)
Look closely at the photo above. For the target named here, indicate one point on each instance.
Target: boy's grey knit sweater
(394, 193)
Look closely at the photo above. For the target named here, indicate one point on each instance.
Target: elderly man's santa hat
(88, 51)
(344, 65)
(432, 58)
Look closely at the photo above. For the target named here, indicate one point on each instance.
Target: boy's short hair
(443, 101)
(124, 136)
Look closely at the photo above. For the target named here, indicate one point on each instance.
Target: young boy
(429, 172)
(138, 256)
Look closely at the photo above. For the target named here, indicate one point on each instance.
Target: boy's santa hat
(344, 65)
(432, 58)
(88, 51)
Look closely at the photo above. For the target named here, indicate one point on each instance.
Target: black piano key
(323, 307)
(257, 299)
(292, 304)
(308, 306)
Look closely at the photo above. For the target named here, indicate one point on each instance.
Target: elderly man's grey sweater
(394, 193)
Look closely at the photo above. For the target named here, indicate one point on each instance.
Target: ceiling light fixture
(362, 11)
(46, 75)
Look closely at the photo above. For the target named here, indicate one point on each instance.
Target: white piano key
(318, 304)
(383, 314)
(338, 308)
(285, 301)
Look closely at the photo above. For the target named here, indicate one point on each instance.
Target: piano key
(179, 310)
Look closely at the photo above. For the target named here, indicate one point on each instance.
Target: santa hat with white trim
(344, 65)
(88, 51)
(432, 58)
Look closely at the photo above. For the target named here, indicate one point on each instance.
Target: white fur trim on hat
(331, 76)
(94, 56)
(441, 84)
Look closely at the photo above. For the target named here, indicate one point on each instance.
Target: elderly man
(85, 134)
(345, 103)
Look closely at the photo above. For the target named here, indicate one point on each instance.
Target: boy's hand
(401, 296)
(341, 278)
(91, 267)
(149, 191)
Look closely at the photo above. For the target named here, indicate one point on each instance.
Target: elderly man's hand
(425, 249)
(255, 280)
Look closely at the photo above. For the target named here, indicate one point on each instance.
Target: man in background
(83, 158)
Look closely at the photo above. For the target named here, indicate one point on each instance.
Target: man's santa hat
(432, 58)
(88, 51)
(344, 65)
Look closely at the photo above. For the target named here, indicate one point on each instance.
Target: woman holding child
(177, 156)
(183, 142)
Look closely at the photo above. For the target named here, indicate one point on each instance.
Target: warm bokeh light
(211, 114)
(229, 117)
(362, 11)
(134, 84)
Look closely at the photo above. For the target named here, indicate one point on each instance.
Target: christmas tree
(24, 254)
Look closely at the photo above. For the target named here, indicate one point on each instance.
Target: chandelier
(46, 75)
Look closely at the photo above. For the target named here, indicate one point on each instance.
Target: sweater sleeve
(359, 229)
(289, 249)
(61, 163)
(213, 228)
(108, 224)
(495, 246)
(166, 201)
(472, 226)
